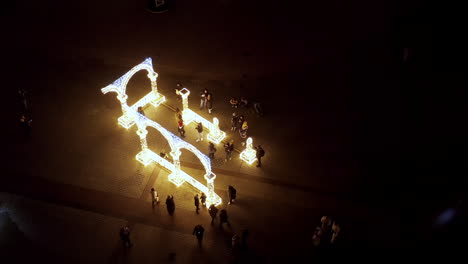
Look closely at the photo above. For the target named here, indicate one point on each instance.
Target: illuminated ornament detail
(249, 154)
(146, 156)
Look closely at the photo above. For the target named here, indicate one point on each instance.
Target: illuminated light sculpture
(216, 135)
(146, 156)
(249, 154)
(120, 87)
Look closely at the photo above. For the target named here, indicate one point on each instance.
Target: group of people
(244, 103)
(198, 231)
(206, 101)
(327, 231)
(238, 122)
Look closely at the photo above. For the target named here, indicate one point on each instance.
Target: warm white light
(215, 135)
(146, 156)
(249, 154)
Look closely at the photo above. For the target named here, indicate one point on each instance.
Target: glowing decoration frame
(146, 156)
(216, 135)
(249, 154)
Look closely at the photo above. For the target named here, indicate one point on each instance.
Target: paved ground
(340, 138)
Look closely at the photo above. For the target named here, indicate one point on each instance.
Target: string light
(146, 156)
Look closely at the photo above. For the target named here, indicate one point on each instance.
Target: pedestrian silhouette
(170, 204)
(198, 232)
(232, 193)
(213, 212)
(223, 218)
(203, 97)
(209, 102)
(197, 203)
(259, 153)
(181, 129)
(199, 129)
(125, 236)
(154, 197)
(234, 120)
(212, 150)
(203, 199)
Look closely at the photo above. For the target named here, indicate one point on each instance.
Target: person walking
(125, 236)
(203, 96)
(140, 111)
(197, 203)
(154, 197)
(181, 128)
(229, 147)
(198, 232)
(203, 199)
(209, 102)
(259, 153)
(223, 218)
(234, 120)
(211, 150)
(232, 192)
(170, 204)
(213, 212)
(199, 129)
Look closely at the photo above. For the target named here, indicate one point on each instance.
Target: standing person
(243, 131)
(259, 153)
(198, 232)
(234, 102)
(240, 122)
(125, 236)
(209, 102)
(203, 199)
(228, 147)
(336, 230)
(199, 129)
(234, 120)
(326, 222)
(154, 197)
(170, 204)
(213, 212)
(181, 128)
(212, 150)
(223, 218)
(197, 203)
(203, 96)
(177, 91)
(232, 192)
